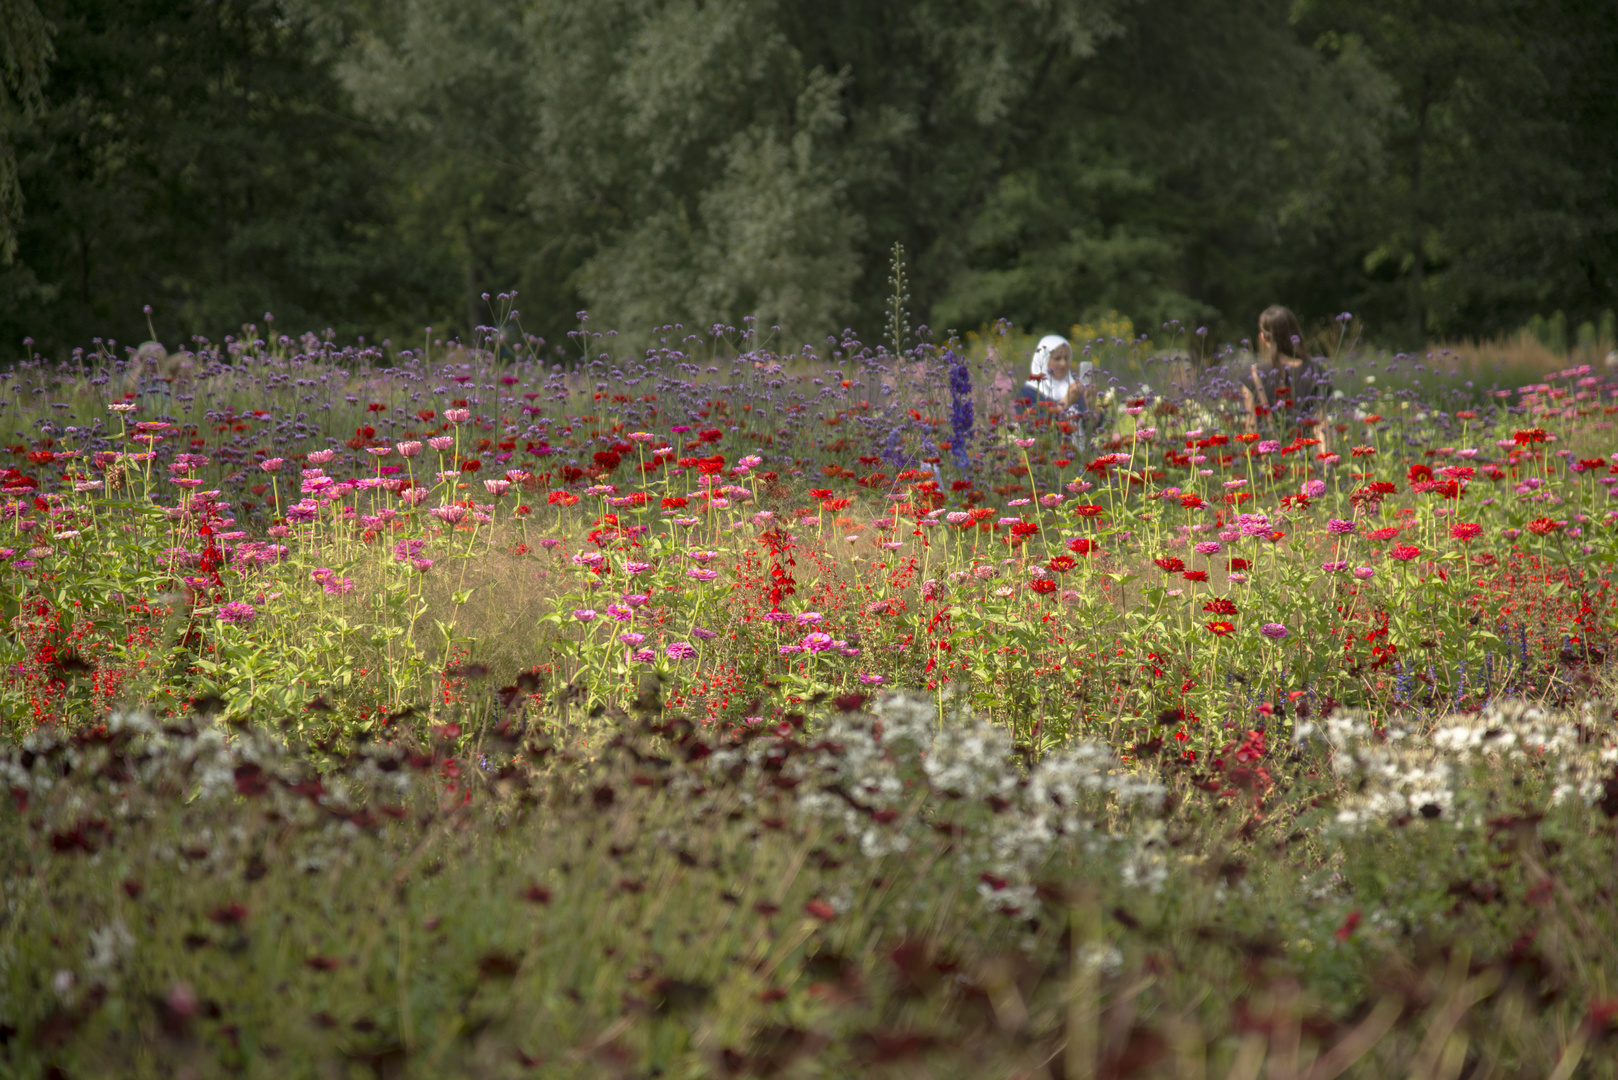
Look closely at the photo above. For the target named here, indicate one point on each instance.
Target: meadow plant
(845, 890)
(249, 537)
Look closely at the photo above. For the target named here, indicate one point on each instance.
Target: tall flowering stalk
(961, 415)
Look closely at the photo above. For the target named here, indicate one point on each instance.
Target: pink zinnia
(817, 642)
(408, 449)
(271, 464)
(1338, 525)
(1274, 631)
(238, 612)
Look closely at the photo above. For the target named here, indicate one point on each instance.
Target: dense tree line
(1439, 167)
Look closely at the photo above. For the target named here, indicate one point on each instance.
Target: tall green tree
(25, 55)
(193, 156)
(1440, 167)
(704, 163)
(1499, 161)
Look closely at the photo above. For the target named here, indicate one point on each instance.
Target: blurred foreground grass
(862, 890)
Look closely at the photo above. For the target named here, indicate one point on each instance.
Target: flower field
(724, 712)
(292, 524)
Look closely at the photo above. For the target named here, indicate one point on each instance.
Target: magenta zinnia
(239, 612)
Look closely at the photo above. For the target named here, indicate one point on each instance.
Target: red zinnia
(1170, 565)
(1543, 526)
(1404, 552)
(1221, 629)
(1383, 534)
(1063, 563)
(1088, 511)
(1465, 530)
(1198, 576)
(1220, 606)
(1082, 546)
(1530, 435)
(1042, 585)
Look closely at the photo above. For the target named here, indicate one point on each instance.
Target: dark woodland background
(1441, 168)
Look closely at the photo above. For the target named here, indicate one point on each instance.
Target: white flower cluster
(1400, 775)
(893, 775)
(201, 760)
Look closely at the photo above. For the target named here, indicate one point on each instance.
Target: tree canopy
(1440, 167)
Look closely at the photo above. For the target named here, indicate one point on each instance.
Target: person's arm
(1258, 385)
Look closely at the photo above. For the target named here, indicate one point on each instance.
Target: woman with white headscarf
(1051, 377)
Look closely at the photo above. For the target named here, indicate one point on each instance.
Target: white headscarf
(1047, 387)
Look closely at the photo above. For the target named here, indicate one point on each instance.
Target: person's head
(1053, 358)
(1279, 334)
(1061, 361)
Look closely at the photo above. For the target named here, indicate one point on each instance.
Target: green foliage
(870, 891)
(1440, 169)
(25, 56)
(1495, 199)
(194, 157)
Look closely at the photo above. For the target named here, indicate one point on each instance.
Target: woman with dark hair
(1291, 386)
